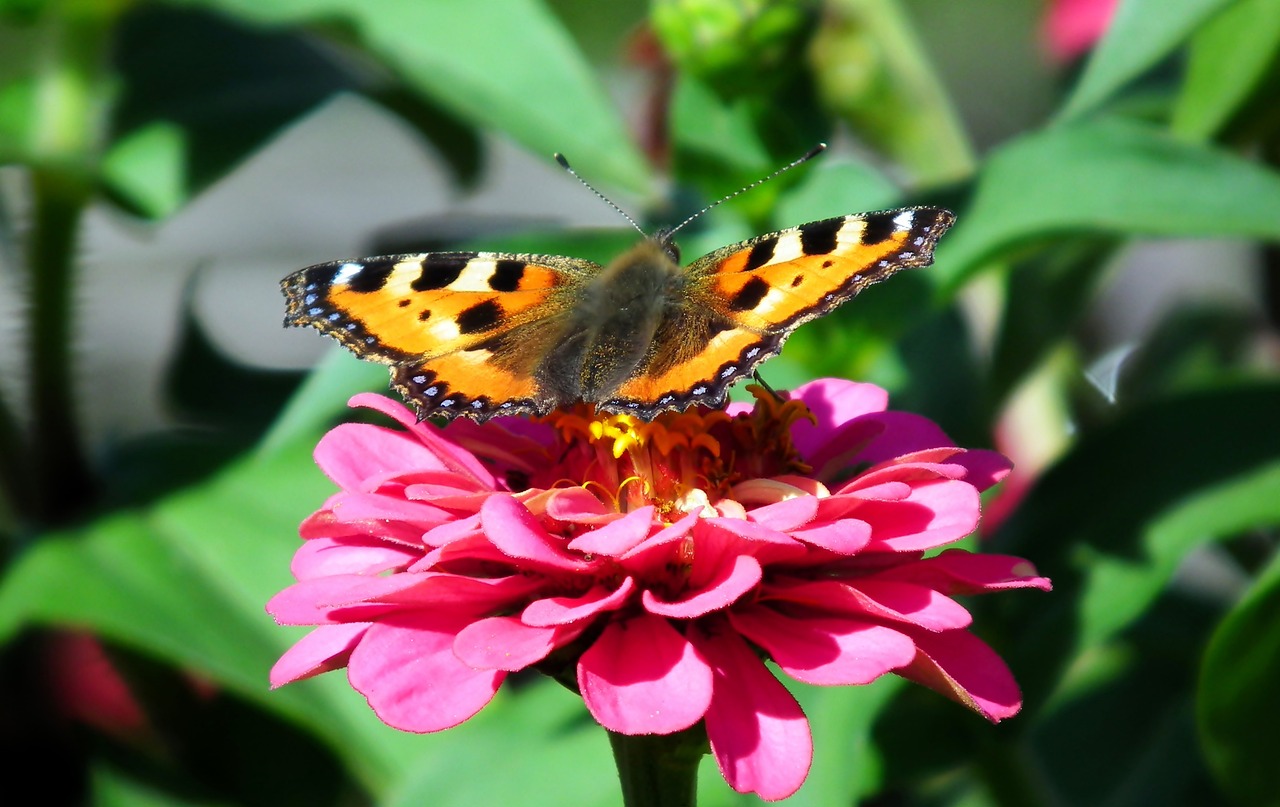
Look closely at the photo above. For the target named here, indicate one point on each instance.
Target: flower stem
(659, 770)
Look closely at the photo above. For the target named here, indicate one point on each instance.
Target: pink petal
(644, 677)
(884, 600)
(326, 600)
(451, 531)
(786, 515)
(833, 403)
(733, 580)
(956, 571)
(503, 643)
(758, 733)
(962, 667)
(565, 610)
(845, 537)
(617, 537)
(825, 650)
(449, 456)
(578, 505)
(406, 668)
(357, 455)
(515, 531)
(324, 557)
(323, 649)
(937, 513)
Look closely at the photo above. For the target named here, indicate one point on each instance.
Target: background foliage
(1148, 485)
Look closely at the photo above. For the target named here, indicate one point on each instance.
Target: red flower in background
(1073, 26)
(652, 565)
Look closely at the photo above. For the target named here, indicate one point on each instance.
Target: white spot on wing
(904, 219)
(346, 272)
(788, 248)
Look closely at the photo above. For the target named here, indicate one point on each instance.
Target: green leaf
(870, 68)
(1141, 34)
(508, 65)
(545, 741)
(1230, 57)
(1110, 522)
(1107, 176)
(1238, 696)
(186, 582)
(188, 112)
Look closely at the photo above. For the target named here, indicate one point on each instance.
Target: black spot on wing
(371, 277)
(879, 228)
(424, 315)
(819, 237)
(404, 303)
(750, 295)
(761, 253)
(439, 269)
(506, 275)
(480, 317)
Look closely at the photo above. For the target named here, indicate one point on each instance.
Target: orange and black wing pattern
(747, 298)
(443, 321)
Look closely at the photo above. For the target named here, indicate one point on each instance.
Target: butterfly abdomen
(611, 331)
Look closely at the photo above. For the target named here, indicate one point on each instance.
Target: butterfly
(482, 334)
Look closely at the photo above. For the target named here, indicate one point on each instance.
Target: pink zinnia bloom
(1073, 26)
(654, 565)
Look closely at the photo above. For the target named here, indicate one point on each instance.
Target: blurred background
(1104, 312)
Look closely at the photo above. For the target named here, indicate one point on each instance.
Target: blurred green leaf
(545, 741)
(1107, 176)
(872, 70)
(1229, 59)
(186, 581)
(1238, 697)
(507, 65)
(1141, 34)
(1110, 522)
(1045, 297)
(187, 112)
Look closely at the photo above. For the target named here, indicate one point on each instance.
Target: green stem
(659, 770)
(65, 138)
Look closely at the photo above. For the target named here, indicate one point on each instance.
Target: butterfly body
(483, 334)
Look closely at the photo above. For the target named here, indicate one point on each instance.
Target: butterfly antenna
(565, 165)
(808, 155)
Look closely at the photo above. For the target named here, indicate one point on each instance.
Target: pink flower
(652, 565)
(1073, 26)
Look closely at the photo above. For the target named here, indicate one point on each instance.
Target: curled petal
(398, 655)
(937, 513)
(733, 580)
(323, 649)
(617, 537)
(449, 455)
(758, 734)
(643, 677)
(566, 610)
(884, 600)
(357, 456)
(786, 515)
(826, 650)
(323, 557)
(578, 506)
(956, 571)
(964, 668)
(510, 526)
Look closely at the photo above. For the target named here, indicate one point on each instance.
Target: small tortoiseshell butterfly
(484, 334)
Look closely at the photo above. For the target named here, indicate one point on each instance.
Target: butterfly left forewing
(444, 321)
(747, 298)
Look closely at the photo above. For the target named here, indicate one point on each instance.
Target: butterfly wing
(745, 300)
(447, 322)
